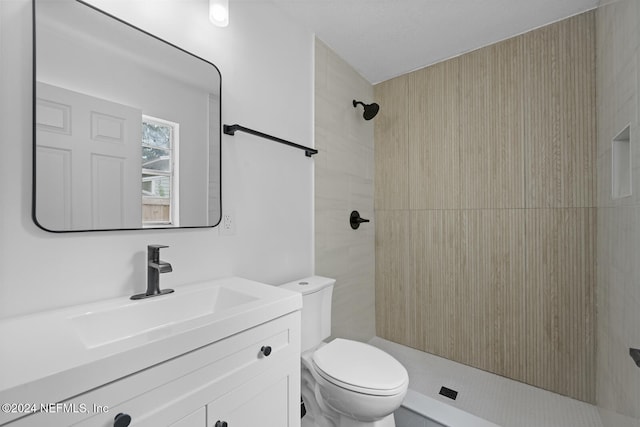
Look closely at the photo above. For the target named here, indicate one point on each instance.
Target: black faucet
(154, 268)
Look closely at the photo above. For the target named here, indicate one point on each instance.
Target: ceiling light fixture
(219, 12)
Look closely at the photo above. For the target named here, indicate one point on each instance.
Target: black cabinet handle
(220, 424)
(266, 350)
(122, 420)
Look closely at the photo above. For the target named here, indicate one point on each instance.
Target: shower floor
(484, 399)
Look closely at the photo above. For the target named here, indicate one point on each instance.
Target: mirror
(126, 126)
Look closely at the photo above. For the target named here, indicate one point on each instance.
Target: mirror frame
(34, 128)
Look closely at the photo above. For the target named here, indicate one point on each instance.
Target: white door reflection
(90, 150)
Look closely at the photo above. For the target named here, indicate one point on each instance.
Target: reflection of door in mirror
(100, 84)
(89, 149)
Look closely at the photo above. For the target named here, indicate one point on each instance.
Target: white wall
(266, 63)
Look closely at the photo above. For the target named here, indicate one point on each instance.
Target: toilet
(345, 383)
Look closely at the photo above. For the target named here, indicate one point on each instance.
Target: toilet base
(307, 422)
(342, 421)
(345, 422)
(387, 421)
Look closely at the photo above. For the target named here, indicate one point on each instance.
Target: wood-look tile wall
(484, 199)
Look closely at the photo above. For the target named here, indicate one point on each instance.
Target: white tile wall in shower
(344, 182)
(618, 239)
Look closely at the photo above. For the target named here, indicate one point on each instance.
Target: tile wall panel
(344, 182)
(559, 115)
(433, 137)
(492, 273)
(559, 288)
(486, 253)
(618, 229)
(391, 145)
(491, 145)
(441, 319)
(395, 297)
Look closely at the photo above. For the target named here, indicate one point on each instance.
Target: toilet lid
(360, 367)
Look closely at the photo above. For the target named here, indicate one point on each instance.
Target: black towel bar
(231, 130)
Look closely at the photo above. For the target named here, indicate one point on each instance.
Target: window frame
(173, 152)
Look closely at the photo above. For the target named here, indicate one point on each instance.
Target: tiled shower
(485, 232)
(501, 241)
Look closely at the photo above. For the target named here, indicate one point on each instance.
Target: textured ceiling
(382, 39)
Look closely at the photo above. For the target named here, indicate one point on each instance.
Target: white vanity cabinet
(251, 378)
(263, 401)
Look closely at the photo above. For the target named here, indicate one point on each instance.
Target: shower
(370, 110)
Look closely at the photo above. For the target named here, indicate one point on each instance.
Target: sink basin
(72, 349)
(155, 317)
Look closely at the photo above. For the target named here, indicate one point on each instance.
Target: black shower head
(370, 110)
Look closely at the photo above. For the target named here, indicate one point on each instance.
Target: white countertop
(43, 358)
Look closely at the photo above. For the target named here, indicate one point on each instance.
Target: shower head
(370, 110)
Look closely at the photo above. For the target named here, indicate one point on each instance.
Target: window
(159, 174)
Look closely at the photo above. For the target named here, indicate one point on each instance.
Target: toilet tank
(316, 308)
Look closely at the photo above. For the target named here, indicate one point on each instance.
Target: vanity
(221, 353)
(127, 132)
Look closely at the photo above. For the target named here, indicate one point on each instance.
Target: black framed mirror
(127, 126)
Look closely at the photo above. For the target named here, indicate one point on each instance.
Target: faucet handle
(156, 246)
(153, 252)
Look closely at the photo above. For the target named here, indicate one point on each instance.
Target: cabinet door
(170, 392)
(268, 400)
(195, 419)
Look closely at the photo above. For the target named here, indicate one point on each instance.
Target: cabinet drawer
(167, 392)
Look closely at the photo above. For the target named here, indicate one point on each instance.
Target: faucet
(155, 267)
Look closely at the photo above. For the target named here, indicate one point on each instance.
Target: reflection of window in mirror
(159, 172)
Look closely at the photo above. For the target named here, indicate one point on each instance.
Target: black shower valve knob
(355, 220)
(635, 355)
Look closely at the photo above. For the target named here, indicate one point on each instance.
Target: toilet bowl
(359, 382)
(345, 383)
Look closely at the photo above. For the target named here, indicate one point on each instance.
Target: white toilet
(344, 383)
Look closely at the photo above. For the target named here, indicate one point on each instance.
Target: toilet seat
(360, 367)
